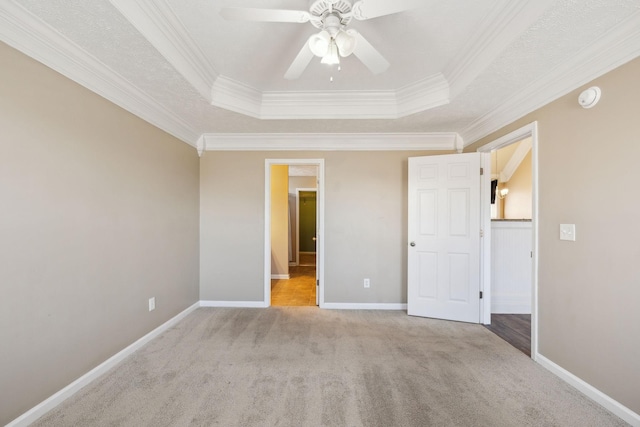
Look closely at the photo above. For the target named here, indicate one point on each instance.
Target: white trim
(485, 242)
(22, 30)
(528, 131)
(329, 105)
(590, 391)
(56, 399)
(615, 48)
(429, 92)
(329, 141)
(233, 304)
(157, 22)
(364, 306)
(236, 96)
(320, 220)
(424, 94)
(280, 277)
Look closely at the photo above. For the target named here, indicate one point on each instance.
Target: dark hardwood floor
(514, 329)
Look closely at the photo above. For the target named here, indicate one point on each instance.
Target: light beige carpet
(302, 366)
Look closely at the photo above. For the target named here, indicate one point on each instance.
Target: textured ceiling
(490, 55)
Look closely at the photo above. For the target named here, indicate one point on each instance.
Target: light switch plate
(568, 232)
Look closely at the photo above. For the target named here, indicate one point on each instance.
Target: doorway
(508, 318)
(299, 289)
(306, 225)
(303, 283)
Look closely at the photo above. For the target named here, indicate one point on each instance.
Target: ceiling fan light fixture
(331, 58)
(346, 43)
(319, 43)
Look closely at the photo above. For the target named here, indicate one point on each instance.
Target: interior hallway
(300, 289)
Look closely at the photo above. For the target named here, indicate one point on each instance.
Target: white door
(444, 237)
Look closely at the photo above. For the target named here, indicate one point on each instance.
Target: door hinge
(481, 171)
(318, 282)
(480, 294)
(481, 232)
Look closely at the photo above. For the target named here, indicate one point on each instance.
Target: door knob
(412, 244)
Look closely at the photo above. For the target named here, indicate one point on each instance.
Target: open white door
(444, 237)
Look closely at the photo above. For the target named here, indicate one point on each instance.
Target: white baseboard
(510, 309)
(280, 277)
(363, 306)
(56, 399)
(234, 304)
(590, 391)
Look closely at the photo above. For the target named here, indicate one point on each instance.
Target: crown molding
(424, 94)
(329, 105)
(615, 48)
(329, 141)
(157, 22)
(33, 37)
(427, 93)
(235, 96)
(504, 24)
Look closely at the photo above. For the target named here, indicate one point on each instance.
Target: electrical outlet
(367, 283)
(152, 303)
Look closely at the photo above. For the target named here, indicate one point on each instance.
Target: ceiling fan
(334, 39)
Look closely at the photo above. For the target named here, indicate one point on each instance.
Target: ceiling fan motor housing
(320, 10)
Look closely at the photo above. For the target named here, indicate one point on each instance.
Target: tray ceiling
(459, 67)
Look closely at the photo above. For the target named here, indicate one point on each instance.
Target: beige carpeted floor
(302, 366)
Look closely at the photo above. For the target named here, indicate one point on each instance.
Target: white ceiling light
(331, 58)
(332, 41)
(346, 43)
(319, 43)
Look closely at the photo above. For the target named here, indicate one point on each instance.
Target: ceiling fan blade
(368, 9)
(264, 15)
(368, 54)
(300, 63)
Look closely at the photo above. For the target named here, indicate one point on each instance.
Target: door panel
(444, 228)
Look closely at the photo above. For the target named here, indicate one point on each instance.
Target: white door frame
(530, 130)
(319, 231)
(298, 190)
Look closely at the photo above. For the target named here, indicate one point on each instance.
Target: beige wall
(301, 182)
(98, 213)
(589, 289)
(365, 225)
(517, 204)
(279, 220)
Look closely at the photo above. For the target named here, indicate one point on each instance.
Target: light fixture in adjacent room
(501, 193)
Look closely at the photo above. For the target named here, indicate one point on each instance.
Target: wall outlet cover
(568, 232)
